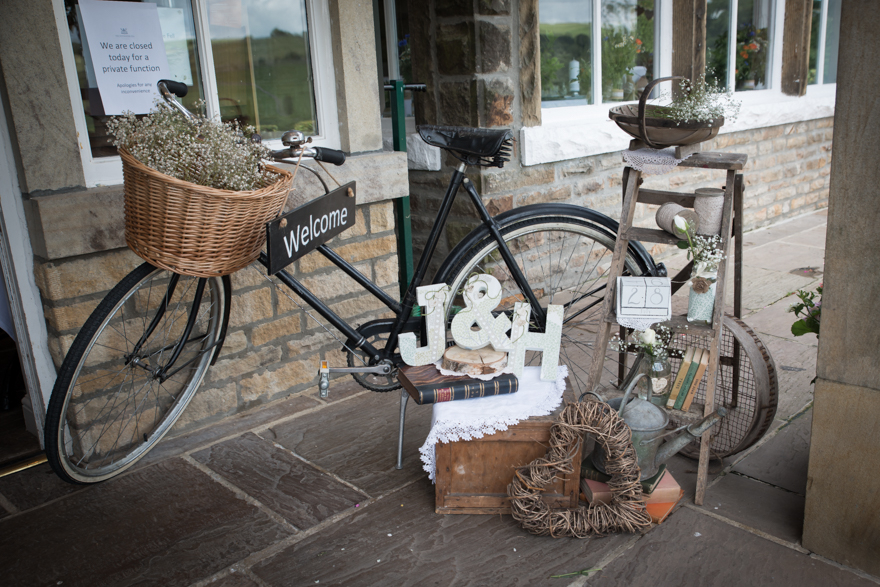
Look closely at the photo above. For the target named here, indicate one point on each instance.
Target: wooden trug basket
(659, 133)
(197, 230)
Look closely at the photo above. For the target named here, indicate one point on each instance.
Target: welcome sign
(304, 229)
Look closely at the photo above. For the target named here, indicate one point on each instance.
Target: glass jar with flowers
(652, 345)
(706, 253)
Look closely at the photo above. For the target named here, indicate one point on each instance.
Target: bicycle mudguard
(532, 211)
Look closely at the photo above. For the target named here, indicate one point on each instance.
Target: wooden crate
(472, 475)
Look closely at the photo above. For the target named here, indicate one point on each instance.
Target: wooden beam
(688, 38)
(796, 46)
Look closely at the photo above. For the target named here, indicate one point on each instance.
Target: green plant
(808, 310)
(619, 50)
(201, 151)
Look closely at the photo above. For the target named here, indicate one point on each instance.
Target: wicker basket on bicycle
(193, 229)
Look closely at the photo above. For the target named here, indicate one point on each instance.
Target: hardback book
(650, 484)
(589, 471)
(682, 373)
(595, 491)
(667, 490)
(659, 511)
(426, 385)
(689, 378)
(701, 370)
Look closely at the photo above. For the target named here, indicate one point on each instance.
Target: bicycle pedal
(324, 383)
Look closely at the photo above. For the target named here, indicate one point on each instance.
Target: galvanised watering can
(648, 424)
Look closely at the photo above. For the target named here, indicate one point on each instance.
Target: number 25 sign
(643, 298)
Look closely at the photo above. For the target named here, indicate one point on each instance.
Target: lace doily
(637, 323)
(652, 161)
(475, 418)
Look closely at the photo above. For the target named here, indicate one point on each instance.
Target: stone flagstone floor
(304, 492)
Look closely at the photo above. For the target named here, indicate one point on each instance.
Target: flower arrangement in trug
(201, 151)
(700, 101)
(654, 342)
(808, 310)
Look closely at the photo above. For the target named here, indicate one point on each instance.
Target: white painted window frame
(574, 132)
(108, 170)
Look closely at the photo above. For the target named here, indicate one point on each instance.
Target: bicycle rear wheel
(565, 260)
(111, 402)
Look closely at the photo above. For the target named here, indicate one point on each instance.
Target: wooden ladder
(632, 195)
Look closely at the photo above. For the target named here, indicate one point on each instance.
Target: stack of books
(690, 374)
(662, 492)
(426, 385)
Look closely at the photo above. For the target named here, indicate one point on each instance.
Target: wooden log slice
(484, 361)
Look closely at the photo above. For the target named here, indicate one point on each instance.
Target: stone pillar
(842, 518)
(354, 57)
(38, 98)
(479, 59)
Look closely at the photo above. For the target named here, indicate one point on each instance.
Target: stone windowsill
(79, 222)
(582, 131)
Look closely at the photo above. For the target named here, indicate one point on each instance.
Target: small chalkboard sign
(644, 298)
(311, 225)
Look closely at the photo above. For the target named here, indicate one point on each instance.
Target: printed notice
(128, 53)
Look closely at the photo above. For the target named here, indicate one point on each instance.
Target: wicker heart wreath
(626, 513)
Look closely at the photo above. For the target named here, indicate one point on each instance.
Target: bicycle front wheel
(565, 261)
(118, 391)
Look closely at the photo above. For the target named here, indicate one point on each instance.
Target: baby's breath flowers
(653, 341)
(201, 151)
(700, 101)
(705, 251)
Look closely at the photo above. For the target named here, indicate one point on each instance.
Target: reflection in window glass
(832, 40)
(627, 48)
(566, 49)
(751, 44)
(717, 37)
(815, 24)
(262, 64)
(176, 20)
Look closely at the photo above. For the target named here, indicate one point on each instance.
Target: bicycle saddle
(475, 146)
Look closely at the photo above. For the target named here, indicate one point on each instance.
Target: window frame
(575, 132)
(662, 54)
(100, 171)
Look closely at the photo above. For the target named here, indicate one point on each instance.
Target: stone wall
(786, 175)
(273, 348)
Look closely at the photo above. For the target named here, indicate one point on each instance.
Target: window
(596, 51)
(254, 61)
(741, 61)
(824, 38)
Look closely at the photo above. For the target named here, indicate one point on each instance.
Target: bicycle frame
(403, 310)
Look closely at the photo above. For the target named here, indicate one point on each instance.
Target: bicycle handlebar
(168, 89)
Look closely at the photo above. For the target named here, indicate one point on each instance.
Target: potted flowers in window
(652, 344)
(706, 253)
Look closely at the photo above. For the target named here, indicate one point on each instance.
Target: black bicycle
(140, 357)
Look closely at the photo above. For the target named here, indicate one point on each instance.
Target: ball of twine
(625, 513)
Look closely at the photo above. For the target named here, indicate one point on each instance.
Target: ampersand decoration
(482, 294)
(626, 513)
